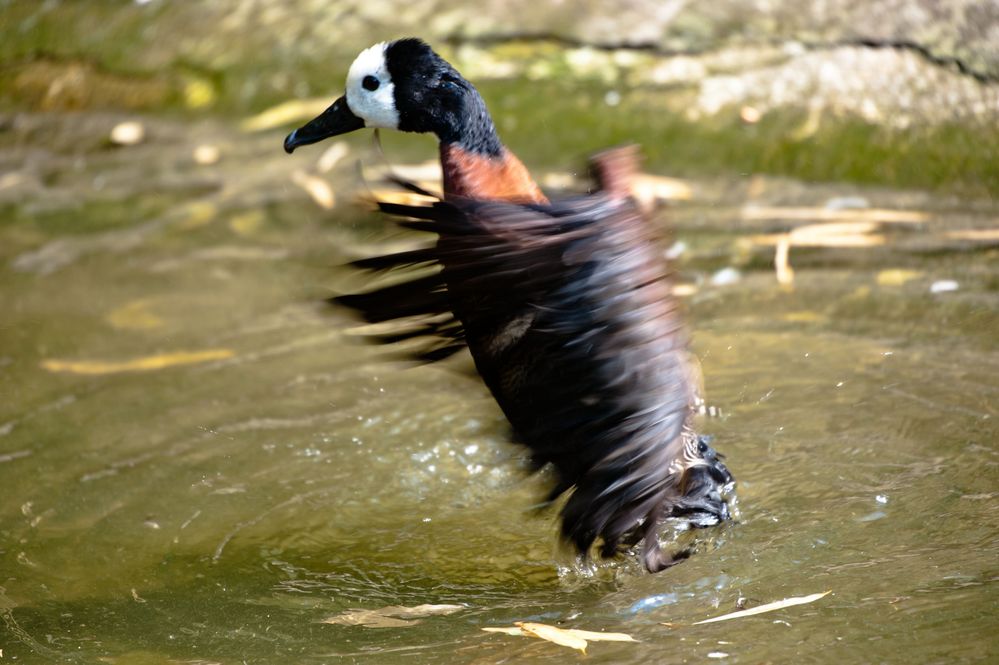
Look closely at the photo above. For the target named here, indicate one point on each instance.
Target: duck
(565, 306)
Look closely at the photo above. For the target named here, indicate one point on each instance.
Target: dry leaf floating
(568, 637)
(769, 607)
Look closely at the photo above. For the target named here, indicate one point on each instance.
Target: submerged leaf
(134, 315)
(247, 223)
(196, 214)
(368, 619)
(391, 616)
(769, 607)
(424, 610)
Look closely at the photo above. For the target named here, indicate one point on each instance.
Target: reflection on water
(200, 463)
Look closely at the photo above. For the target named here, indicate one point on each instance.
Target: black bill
(337, 119)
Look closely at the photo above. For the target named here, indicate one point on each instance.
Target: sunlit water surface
(221, 508)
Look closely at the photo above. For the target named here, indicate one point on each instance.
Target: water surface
(200, 463)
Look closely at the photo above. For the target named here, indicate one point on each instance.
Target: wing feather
(567, 311)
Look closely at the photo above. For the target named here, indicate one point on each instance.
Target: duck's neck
(474, 161)
(503, 177)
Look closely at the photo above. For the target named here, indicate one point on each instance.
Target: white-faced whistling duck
(565, 307)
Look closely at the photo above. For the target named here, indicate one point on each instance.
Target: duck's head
(405, 85)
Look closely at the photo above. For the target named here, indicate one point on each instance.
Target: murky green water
(199, 463)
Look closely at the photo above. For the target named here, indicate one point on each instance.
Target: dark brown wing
(570, 320)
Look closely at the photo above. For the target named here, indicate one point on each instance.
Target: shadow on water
(200, 463)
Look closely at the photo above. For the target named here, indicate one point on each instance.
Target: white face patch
(376, 107)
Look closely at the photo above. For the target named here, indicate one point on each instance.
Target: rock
(206, 154)
(128, 133)
(944, 286)
(726, 276)
(847, 203)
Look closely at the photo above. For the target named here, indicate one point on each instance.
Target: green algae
(553, 102)
(575, 120)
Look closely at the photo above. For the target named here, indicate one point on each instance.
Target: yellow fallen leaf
(896, 276)
(332, 156)
(880, 215)
(247, 223)
(856, 233)
(134, 316)
(589, 635)
(769, 607)
(844, 240)
(782, 261)
(317, 188)
(552, 634)
(847, 234)
(199, 93)
(656, 188)
(810, 125)
(142, 364)
(803, 317)
(296, 110)
(837, 234)
(197, 214)
(397, 196)
(559, 180)
(428, 172)
(980, 235)
(684, 290)
(767, 239)
(8, 180)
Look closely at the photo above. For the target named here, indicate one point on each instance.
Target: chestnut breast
(474, 175)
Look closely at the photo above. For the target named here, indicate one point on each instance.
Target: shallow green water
(220, 510)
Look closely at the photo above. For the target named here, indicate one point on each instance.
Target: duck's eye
(370, 83)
